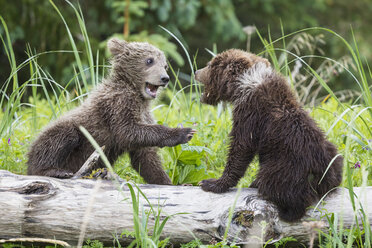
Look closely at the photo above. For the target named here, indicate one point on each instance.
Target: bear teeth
(151, 89)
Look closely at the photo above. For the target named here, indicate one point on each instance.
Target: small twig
(35, 240)
(88, 165)
(249, 30)
(126, 19)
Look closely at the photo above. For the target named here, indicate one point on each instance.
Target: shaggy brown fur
(268, 121)
(117, 115)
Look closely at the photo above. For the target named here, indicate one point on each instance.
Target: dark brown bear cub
(268, 121)
(117, 115)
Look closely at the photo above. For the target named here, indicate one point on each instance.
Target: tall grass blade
(73, 45)
(80, 18)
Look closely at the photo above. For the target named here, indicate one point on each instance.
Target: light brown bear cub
(117, 115)
(293, 152)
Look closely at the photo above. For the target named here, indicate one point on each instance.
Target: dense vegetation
(42, 85)
(199, 24)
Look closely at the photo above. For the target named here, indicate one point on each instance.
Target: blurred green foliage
(198, 23)
(205, 155)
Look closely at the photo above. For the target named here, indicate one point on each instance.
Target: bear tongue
(151, 89)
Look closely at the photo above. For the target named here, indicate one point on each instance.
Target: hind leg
(288, 189)
(293, 212)
(49, 154)
(147, 162)
(293, 200)
(333, 177)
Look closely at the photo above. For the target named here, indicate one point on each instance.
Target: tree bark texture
(50, 208)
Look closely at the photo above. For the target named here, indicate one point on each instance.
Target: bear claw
(213, 185)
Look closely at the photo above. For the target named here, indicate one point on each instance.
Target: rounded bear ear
(266, 61)
(117, 46)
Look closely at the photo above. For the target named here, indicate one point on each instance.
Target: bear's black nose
(164, 79)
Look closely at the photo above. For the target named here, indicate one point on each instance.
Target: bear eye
(149, 61)
(166, 67)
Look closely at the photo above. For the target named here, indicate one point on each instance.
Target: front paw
(179, 136)
(185, 135)
(213, 185)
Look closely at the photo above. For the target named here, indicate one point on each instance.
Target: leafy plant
(187, 164)
(193, 244)
(93, 244)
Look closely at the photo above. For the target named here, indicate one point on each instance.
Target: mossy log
(38, 208)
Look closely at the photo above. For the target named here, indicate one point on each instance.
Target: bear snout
(165, 79)
(196, 74)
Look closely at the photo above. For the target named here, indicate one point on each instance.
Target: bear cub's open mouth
(151, 89)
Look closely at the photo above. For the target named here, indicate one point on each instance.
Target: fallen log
(36, 207)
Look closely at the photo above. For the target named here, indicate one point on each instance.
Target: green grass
(347, 123)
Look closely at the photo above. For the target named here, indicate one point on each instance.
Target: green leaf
(197, 174)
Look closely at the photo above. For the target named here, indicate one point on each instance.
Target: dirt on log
(34, 207)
